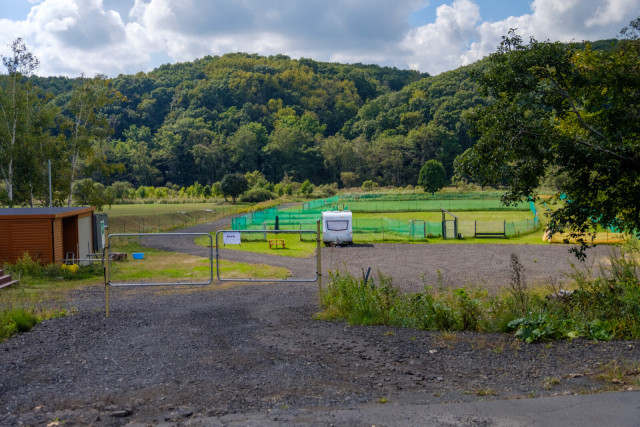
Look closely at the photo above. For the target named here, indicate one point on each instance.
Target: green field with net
(407, 218)
(428, 205)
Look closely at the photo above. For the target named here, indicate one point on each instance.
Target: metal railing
(265, 232)
(107, 263)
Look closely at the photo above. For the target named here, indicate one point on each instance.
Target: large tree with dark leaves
(569, 109)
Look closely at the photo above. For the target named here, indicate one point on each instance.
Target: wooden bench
(490, 235)
(275, 243)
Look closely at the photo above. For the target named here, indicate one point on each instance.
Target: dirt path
(208, 356)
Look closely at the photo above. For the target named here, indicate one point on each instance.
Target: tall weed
(603, 307)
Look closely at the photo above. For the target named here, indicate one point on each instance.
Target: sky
(112, 37)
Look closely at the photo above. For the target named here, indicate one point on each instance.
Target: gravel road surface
(254, 355)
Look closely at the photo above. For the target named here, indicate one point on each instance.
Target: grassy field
(294, 247)
(429, 205)
(462, 216)
(152, 218)
(527, 239)
(160, 266)
(136, 209)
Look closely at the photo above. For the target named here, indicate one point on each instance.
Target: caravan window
(337, 225)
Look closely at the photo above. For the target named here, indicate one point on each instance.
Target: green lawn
(294, 247)
(462, 216)
(532, 238)
(159, 266)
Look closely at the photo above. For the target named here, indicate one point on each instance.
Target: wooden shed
(48, 234)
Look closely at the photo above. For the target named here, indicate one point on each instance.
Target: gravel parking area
(213, 355)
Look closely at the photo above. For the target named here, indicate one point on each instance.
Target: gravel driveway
(212, 355)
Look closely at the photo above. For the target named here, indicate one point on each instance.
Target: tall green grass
(40, 294)
(602, 305)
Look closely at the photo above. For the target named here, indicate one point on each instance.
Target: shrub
(327, 190)
(306, 188)
(369, 185)
(257, 195)
(348, 179)
(359, 303)
(27, 266)
(16, 320)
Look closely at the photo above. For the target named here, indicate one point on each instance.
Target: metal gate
(108, 259)
(449, 226)
(418, 228)
(235, 234)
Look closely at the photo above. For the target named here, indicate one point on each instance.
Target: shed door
(85, 243)
(70, 236)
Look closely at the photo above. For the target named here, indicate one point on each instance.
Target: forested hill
(200, 120)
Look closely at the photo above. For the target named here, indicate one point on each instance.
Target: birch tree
(85, 125)
(16, 110)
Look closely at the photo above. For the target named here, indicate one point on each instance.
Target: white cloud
(90, 36)
(459, 37)
(439, 46)
(612, 12)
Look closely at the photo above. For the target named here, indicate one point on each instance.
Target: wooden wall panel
(5, 240)
(25, 235)
(58, 252)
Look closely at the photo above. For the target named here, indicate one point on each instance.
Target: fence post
(106, 271)
(318, 249)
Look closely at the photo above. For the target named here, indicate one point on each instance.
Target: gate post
(318, 239)
(106, 270)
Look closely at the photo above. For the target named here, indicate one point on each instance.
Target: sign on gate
(231, 238)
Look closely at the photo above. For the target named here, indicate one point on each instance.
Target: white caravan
(337, 227)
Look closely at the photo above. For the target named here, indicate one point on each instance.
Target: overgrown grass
(604, 306)
(152, 218)
(155, 217)
(42, 293)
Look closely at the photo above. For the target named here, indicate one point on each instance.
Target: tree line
(291, 120)
(531, 112)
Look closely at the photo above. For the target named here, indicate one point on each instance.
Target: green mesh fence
(379, 228)
(422, 202)
(429, 205)
(517, 228)
(320, 203)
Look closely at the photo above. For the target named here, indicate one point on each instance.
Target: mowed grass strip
(508, 216)
(159, 266)
(294, 247)
(487, 220)
(374, 205)
(526, 239)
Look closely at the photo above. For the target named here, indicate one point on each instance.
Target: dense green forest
(289, 119)
(297, 118)
(195, 122)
